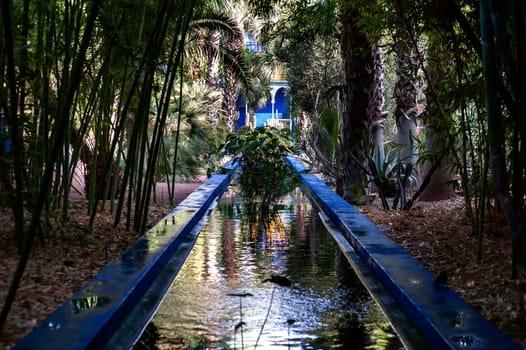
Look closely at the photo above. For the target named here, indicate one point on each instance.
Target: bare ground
(435, 233)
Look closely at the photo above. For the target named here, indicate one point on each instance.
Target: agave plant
(390, 174)
(382, 168)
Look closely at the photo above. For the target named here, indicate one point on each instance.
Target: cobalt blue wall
(264, 113)
(281, 103)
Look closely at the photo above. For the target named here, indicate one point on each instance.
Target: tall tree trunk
(439, 186)
(437, 140)
(230, 93)
(212, 46)
(376, 101)
(231, 87)
(406, 99)
(356, 55)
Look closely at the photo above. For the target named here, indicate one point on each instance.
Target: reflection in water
(88, 303)
(133, 259)
(231, 292)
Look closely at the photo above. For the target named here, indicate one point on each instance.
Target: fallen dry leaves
(62, 263)
(436, 233)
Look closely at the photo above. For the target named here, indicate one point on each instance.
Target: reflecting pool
(277, 283)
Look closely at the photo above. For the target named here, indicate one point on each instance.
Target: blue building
(277, 110)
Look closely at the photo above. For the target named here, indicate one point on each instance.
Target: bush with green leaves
(265, 175)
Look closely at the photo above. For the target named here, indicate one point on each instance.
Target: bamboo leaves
(71, 77)
(77, 81)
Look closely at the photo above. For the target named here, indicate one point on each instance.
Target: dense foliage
(128, 91)
(265, 176)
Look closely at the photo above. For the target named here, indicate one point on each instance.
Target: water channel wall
(93, 315)
(443, 318)
(110, 310)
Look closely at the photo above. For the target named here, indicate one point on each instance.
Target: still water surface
(225, 297)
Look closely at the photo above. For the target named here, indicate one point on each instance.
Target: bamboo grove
(74, 71)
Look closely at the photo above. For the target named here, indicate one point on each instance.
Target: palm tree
(375, 109)
(406, 96)
(228, 65)
(356, 50)
(438, 166)
(304, 42)
(360, 94)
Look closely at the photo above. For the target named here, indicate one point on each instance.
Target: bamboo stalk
(61, 124)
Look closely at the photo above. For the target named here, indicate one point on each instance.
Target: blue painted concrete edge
(443, 317)
(88, 319)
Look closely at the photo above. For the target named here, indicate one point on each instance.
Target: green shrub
(265, 175)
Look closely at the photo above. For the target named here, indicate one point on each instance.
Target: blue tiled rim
(444, 319)
(89, 319)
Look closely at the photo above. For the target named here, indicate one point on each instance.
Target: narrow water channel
(286, 286)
